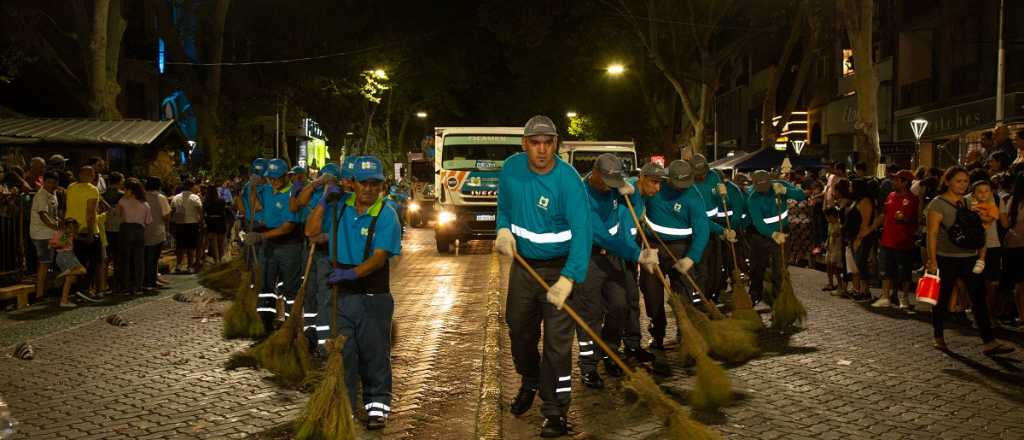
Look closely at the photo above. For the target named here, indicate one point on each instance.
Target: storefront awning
(764, 159)
(84, 131)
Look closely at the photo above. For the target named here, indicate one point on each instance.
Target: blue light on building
(160, 53)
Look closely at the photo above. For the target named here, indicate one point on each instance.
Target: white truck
(582, 154)
(467, 162)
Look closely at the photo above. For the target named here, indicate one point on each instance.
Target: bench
(19, 291)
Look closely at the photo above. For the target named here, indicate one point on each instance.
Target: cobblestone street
(852, 373)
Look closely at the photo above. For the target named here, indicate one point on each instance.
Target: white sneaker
(881, 302)
(979, 266)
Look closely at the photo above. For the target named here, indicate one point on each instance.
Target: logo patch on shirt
(677, 207)
(542, 202)
(279, 205)
(364, 231)
(615, 204)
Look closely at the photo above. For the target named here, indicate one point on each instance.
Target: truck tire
(444, 243)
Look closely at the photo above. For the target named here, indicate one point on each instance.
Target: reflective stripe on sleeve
(775, 219)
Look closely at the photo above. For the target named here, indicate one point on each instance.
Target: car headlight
(414, 207)
(445, 217)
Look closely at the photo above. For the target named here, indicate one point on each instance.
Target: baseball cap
(699, 164)
(259, 166)
(348, 167)
(56, 159)
(540, 125)
(905, 175)
(609, 167)
(331, 169)
(759, 176)
(298, 169)
(654, 170)
(276, 168)
(367, 168)
(680, 174)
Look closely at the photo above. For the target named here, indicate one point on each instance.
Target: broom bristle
(241, 319)
(787, 311)
(244, 359)
(712, 389)
(740, 297)
(328, 414)
(731, 341)
(749, 319)
(680, 426)
(286, 352)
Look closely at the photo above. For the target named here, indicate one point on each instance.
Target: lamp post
(918, 126)
(571, 115)
(421, 115)
(615, 69)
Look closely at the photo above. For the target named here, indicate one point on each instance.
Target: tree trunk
(858, 16)
(99, 81)
(284, 132)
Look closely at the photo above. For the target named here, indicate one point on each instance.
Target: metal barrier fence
(14, 250)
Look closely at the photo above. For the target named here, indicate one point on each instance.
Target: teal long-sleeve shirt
(676, 215)
(607, 227)
(766, 213)
(708, 192)
(543, 213)
(737, 207)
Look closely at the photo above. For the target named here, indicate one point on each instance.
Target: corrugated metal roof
(85, 131)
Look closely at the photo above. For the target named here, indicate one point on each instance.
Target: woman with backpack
(954, 236)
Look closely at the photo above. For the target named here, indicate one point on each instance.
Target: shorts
(895, 263)
(66, 260)
(44, 254)
(186, 235)
(1013, 254)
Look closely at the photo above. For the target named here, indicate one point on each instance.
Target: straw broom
(787, 311)
(712, 388)
(710, 306)
(328, 414)
(679, 424)
(742, 305)
(223, 277)
(240, 319)
(286, 352)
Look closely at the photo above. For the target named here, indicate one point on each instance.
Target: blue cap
(276, 168)
(258, 167)
(332, 169)
(348, 167)
(368, 168)
(298, 169)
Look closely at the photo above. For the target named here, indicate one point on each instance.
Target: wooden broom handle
(300, 295)
(728, 224)
(572, 314)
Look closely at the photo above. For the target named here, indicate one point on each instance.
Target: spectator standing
(58, 164)
(36, 172)
(187, 209)
(155, 232)
(1003, 143)
(986, 203)
(896, 254)
(1011, 217)
(1018, 154)
(83, 207)
(99, 166)
(62, 242)
(954, 263)
(135, 214)
(858, 232)
(44, 221)
(112, 226)
(215, 215)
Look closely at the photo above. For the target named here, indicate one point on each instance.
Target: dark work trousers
(653, 290)
(282, 272)
(317, 304)
(366, 320)
(728, 263)
(631, 333)
(950, 270)
(526, 309)
(152, 267)
(132, 261)
(708, 273)
(763, 252)
(601, 302)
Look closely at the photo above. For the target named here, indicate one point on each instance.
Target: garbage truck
(420, 209)
(582, 154)
(467, 161)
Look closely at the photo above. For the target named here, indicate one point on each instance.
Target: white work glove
(729, 235)
(559, 292)
(505, 244)
(626, 190)
(779, 188)
(648, 259)
(779, 237)
(684, 265)
(722, 190)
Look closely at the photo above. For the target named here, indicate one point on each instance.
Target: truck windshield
(583, 161)
(484, 157)
(422, 170)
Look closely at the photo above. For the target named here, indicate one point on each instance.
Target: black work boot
(523, 400)
(376, 422)
(639, 355)
(554, 426)
(612, 368)
(593, 380)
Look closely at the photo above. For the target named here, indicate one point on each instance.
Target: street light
(615, 69)
(421, 115)
(918, 126)
(380, 73)
(571, 114)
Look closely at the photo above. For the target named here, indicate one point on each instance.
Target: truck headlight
(445, 217)
(414, 207)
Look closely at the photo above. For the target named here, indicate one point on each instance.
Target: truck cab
(467, 162)
(582, 154)
(421, 190)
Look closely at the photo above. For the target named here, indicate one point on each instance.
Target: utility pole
(1001, 68)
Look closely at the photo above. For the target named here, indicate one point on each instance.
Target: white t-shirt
(47, 202)
(156, 232)
(186, 207)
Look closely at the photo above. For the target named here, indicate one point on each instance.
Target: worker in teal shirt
(647, 185)
(709, 274)
(317, 298)
(255, 184)
(732, 212)
(601, 299)
(364, 233)
(769, 214)
(676, 215)
(541, 216)
(281, 243)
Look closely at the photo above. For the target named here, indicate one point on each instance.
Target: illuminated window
(848, 62)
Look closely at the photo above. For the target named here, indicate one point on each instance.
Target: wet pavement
(852, 373)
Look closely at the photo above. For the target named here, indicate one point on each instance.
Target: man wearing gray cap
(601, 299)
(769, 216)
(676, 215)
(540, 202)
(708, 273)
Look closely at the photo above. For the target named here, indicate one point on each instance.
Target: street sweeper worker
(363, 233)
(708, 273)
(646, 186)
(676, 214)
(244, 204)
(767, 212)
(281, 242)
(732, 212)
(316, 306)
(541, 216)
(601, 299)
(347, 171)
